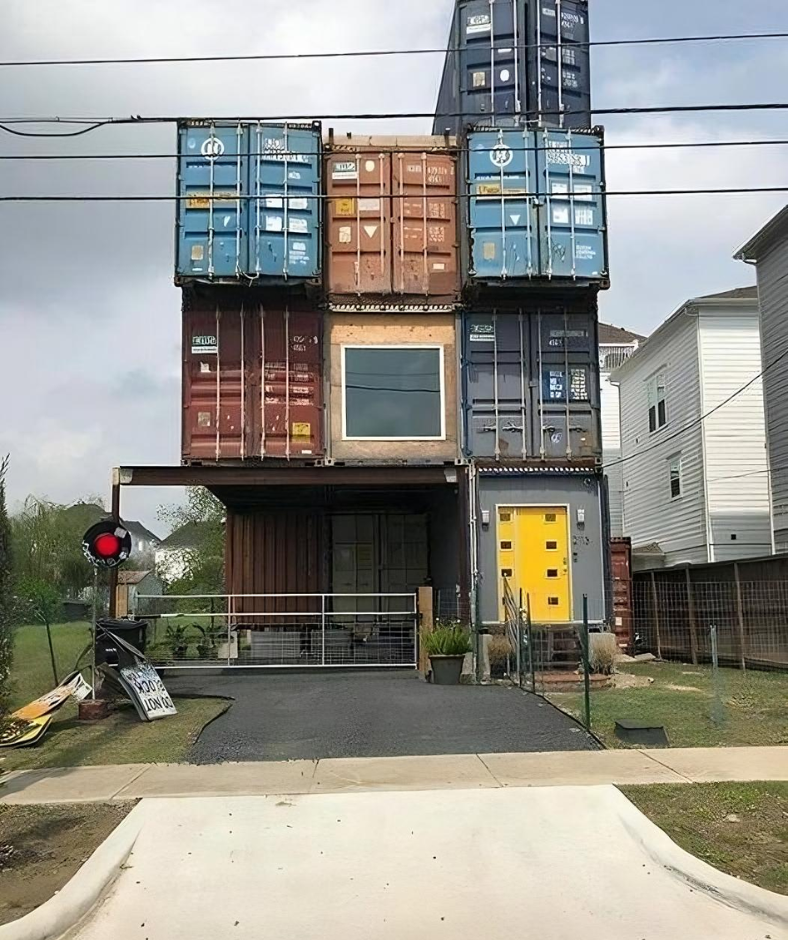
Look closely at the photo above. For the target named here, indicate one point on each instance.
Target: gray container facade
(581, 494)
(531, 385)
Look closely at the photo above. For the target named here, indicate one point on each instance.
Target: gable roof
(139, 531)
(132, 577)
(738, 293)
(617, 336)
(759, 244)
(187, 536)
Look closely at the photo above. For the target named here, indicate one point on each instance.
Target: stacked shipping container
(409, 301)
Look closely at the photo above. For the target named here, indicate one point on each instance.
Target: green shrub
(447, 639)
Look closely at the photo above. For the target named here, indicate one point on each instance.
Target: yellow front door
(533, 556)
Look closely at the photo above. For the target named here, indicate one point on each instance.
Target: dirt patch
(625, 680)
(683, 688)
(41, 848)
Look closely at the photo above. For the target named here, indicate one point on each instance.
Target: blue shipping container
(249, 203)
(536, 205)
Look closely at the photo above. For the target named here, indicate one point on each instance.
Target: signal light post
(106, 545)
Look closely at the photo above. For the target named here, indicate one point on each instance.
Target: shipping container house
(252, 378)
(393, 387)
(516, 63)
(543, 533)
(249, 202)
(535, 208)
(392, 235)
(530, 384)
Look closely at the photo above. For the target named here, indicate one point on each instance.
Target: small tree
(204, 564)
(41, 602)
(6, 593)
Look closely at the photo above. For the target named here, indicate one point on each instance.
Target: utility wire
(97, 122)
(230, 197)
(372, 53)
(347, 147)
(697, 421)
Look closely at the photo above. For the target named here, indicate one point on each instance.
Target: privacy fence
(680, 613)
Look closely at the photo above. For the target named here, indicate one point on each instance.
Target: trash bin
(134, 632)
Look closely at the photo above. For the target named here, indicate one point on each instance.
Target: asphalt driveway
(298, 716)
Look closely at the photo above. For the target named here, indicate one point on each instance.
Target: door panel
(533, 555)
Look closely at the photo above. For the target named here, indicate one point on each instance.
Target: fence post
(519, 659)
(692, 622)
(322, 630)
(740, 618)
(230, 612)
(656, 615)
(531, 656)
(425, 623)
(717, 707)
(586, 666)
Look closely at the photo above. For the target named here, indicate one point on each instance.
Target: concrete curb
(78, 898)
(701, 877)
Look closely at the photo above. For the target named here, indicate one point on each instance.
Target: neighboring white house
(768, 251)
(615, 347)
(696, 490)
(172, 553)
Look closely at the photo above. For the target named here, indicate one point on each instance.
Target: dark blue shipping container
(516, 63)
(536, 206)
(249, 203)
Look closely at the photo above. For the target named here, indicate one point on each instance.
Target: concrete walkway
(465, 772)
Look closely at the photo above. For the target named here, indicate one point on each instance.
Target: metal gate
(261, 631)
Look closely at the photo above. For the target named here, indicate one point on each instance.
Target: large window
(393, 393)
(657, 407)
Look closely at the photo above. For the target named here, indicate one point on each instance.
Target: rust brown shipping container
(252, 383)
(276, 552)
(392, 220)
(623, 613)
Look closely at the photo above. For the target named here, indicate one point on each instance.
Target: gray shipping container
(531, 384)
(578, 497)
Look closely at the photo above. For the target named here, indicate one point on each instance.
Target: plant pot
(446, 670)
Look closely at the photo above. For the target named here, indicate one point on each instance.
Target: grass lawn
(682, 699)
(121, 739)
(739, 828)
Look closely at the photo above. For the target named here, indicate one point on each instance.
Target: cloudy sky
(89, 319)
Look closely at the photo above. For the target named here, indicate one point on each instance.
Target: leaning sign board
(147, 691)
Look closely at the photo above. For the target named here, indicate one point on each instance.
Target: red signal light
(107, 545)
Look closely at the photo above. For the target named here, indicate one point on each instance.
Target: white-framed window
(674, 470)
(393, 393)
(657, 404)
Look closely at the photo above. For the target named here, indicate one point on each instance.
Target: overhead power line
(697, 421)
(373, 53)
(94, 123)
(339, 148)
(229, 196)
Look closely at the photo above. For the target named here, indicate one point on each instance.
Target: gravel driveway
(320, 715)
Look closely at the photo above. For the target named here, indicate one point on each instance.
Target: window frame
(653, 385)
(672, 461)
(442, 390)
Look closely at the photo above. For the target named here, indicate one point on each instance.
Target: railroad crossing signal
(107, 544)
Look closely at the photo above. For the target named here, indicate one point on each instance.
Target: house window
(657, 408)
(393, 393)
(675, 476)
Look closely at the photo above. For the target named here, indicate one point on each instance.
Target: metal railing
(261, 631)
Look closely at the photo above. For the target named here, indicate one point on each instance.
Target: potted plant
(177, 638)
(447, 645)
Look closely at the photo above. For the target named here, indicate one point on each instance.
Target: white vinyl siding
(610, 356)
(773, 294)
(737, 483)
(650, 514)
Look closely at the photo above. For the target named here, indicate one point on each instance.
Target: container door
(496, 386)
(291, 400)
(354, 543)
(212, 208)
(359, 230)
(572, 214)
(533, 555)
(491, 70)
(284, 172)
(424, 214)
(218, 387)
(559, 63)
(403, 556)
(502, 221)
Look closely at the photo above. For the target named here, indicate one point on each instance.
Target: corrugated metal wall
(252, 380)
